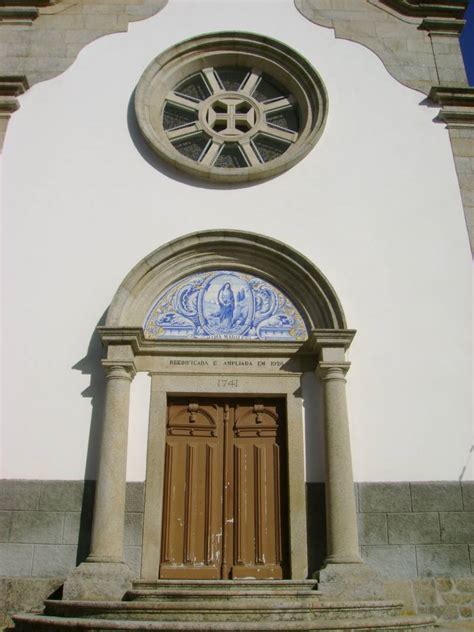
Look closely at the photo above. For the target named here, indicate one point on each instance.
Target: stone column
(104, 575)
(344, 575)
(341, 515)
(109, 505)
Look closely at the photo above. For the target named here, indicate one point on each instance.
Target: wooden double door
(223, 502)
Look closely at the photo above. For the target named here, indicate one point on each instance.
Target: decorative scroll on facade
(224, 305)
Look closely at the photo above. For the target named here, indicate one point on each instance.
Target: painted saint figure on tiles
(226, 302)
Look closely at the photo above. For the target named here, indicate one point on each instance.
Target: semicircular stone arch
(251, 254)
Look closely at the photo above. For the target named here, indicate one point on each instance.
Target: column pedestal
(104, 575)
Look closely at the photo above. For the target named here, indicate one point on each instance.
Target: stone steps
(254, 585)
(235, 608)
(246, 605)
(41, 623)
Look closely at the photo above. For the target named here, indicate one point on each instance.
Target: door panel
(192, 524)
(222, 496)
(257, 547)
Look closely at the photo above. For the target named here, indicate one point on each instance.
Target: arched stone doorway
(224, 370)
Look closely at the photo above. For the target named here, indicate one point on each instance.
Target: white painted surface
(375, 205)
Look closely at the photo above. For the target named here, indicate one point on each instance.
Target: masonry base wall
(419, 536)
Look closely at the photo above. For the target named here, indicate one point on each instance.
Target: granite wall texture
(406, 530)
(420, 537)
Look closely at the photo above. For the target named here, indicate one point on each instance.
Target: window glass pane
(269, 148)
(231, 78)
(266, 90)
(194, 87)
(287, 118)
(174, 116)
(192, 146)
(231, 157)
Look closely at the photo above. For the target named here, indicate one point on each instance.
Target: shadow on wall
(91, 365)
(315, 471)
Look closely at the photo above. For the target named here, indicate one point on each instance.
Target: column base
(98, 581)
(350, 581)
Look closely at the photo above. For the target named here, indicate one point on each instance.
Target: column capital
(116, 370)
(333, 370)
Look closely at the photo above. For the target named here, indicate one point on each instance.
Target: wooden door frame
(210, 379)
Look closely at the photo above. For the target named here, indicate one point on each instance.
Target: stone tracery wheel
(230, 117)
(231, 107)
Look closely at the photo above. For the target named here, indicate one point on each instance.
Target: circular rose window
(231, 107)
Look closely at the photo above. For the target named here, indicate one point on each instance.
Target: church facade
(237, 330)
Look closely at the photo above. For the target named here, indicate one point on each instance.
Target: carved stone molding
(57, 30)
(22, 11)
(417, 41)
(457, 105)
(11, 86)
(429, 8)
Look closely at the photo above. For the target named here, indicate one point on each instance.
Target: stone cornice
(10, 88)
(429, 8)
(457, 104)
(134, 338)
(442, 26)
(445, 17)
(21, 11)
(332, 338)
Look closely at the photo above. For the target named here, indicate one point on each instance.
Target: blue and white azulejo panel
(224, 305)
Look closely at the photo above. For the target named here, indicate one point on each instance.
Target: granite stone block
(373, 528)
(135, 497)
(468, 490)
(466, 584)
(438, 496)
(5, 520)
(401, 590)
(37, 527)
(457, 527)
(61, 496)
(19, 495)
(441, 612)
(384, 497)
(25, 594)
(425, 592)
(444, 584)
(53, 560)
(72, 523)
(133, 557)
(16, 560)
(392, 561)
(133, 529)
(443, 559)
(413, 528)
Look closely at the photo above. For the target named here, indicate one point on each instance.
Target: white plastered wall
(376, 206)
